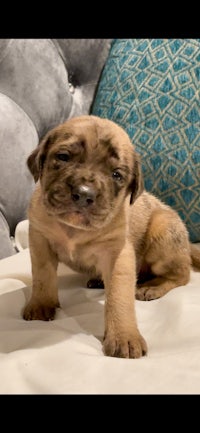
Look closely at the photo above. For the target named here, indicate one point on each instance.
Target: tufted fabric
(151, 88)
(43, 82)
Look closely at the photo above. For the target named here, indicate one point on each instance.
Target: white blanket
(65, 356)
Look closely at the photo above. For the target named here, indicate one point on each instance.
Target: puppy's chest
(80, 257)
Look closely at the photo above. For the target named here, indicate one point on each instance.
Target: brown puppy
(89, 211)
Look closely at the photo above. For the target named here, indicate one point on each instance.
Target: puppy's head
(87, 167)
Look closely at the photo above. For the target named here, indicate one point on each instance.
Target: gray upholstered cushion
(33, 74)
(84, 60)
(18, 137)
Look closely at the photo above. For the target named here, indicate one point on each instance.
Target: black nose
(83, 195)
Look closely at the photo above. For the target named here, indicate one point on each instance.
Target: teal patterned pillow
(151, 88)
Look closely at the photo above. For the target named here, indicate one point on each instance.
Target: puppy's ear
(33, 163)
(37, 158)
(137, 185)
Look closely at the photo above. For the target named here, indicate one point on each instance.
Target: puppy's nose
(83, 195)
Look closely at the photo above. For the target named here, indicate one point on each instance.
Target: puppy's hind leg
(167, 255)
(95, 283)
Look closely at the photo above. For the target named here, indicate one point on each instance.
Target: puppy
(89, 211)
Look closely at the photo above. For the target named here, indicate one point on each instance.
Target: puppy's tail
(195, 256)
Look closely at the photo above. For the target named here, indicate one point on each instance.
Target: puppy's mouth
(88, 215)
(76, 218)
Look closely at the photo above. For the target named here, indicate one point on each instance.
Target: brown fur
(106, 237)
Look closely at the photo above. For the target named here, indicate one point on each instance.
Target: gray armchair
(43, 82)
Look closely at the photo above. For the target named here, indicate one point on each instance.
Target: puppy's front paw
(125, 346)
(38, 311)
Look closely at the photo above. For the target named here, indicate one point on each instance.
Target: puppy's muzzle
(83, 195)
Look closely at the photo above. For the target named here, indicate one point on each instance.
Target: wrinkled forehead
(91, 137)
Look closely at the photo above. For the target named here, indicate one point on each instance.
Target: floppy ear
(137, 185)
(34, 164)
(37, 158)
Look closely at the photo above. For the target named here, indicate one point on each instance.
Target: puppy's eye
(62, 157)
(117, 175)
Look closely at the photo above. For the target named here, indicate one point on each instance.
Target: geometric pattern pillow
(151, 87)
